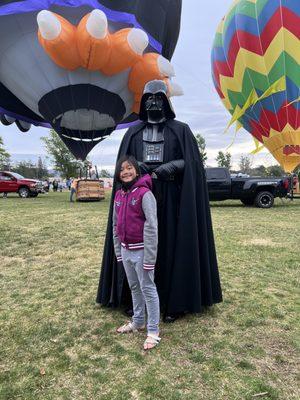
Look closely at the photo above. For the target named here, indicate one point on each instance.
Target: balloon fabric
(80, 66)
(255, 68)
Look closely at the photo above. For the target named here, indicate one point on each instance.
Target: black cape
(186, 272)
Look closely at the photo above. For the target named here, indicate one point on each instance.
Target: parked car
(11, 182)
(251, 191)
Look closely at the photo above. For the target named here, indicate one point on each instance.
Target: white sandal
(128, 328)
(153, 340)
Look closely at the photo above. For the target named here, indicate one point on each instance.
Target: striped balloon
(256, 72)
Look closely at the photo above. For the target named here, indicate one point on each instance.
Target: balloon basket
(90, 190)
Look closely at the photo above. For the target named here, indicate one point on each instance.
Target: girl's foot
(151, 341)
(129, 327)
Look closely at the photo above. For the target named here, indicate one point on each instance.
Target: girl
(135, 243)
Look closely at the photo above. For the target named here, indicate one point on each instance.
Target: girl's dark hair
(131, 160)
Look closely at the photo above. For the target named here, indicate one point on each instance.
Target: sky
(200, 107)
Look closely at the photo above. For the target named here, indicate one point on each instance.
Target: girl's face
(128, 172)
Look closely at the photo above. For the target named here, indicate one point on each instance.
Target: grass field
(55, 344)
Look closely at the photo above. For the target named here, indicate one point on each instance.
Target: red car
(11, 182)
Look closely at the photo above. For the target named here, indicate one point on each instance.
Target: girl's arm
(117, 243)
(150, 230)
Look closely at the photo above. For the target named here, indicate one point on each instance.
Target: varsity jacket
(135, 221)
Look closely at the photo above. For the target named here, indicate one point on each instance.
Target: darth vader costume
(186, 272)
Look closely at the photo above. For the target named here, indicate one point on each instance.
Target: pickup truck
(251, 190)
(11, 182)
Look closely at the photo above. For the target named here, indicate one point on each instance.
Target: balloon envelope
(256, 72)
(51, 73)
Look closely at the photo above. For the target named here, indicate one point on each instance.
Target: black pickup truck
(251, 190)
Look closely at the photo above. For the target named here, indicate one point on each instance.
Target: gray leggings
(143, 290)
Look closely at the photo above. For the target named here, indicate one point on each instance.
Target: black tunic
(186, 272)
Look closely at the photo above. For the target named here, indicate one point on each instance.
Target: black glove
(144, 168)
(165, 171)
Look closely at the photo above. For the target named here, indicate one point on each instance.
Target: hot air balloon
(256, 72)
(80, 66)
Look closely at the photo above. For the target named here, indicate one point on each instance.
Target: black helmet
(154, 87)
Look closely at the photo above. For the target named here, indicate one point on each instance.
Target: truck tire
(264, 200)
(24, 192)
(247, 202)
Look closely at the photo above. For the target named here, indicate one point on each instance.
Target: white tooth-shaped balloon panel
(86, 120)
(96, 24)
(82, 139)
(31, 74)
(175, 89)
(138, 40)
(49, 25)
(165, 67)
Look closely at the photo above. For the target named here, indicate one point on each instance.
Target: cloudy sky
(200, 106)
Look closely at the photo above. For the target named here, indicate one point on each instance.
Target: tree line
(245, 164)
(66, 165)
(62, 161)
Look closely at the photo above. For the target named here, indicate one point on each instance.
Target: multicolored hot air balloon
(256, 72)
(80, 66)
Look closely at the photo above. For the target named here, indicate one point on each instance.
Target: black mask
(155, 108)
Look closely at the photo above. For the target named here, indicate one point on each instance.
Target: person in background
(93, 175)
(68, 183)
(73, 188)
(47, 185)
(55, 185)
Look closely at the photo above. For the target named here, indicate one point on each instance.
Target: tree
(104, 174)
(297, 171)
(26, 168)
(261, 170)
(4, 156)
(245, 164)
(63, 160)
(41, 169)
(202, 147)
(275, 170)
(224, 159)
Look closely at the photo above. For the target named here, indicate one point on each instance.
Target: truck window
(215, 173)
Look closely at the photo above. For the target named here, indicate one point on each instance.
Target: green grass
(55, 344)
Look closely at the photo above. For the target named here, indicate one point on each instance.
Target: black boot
(128, 312)
(168, 319)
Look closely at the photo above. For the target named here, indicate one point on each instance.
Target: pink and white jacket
(135, 221)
